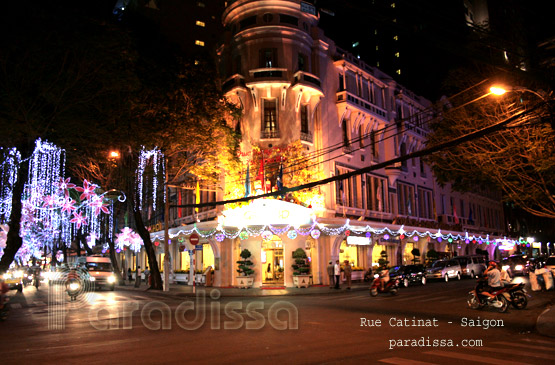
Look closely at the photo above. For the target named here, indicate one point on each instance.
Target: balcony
(306, 80)
(268, 74)
(307, 137)
(269, 135)
(234, 82)
(360, 104)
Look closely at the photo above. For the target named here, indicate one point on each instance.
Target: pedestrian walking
(129, 275)
(331, 274)
(147, 275)
(337, 272)
(138, 277)
(348, 270)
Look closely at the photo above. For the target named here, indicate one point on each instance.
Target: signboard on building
(308, 8)
(198, 247)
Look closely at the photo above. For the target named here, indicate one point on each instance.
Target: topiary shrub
(301, 265)
(244, 268)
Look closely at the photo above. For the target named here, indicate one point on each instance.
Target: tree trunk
(13, 241)
(156, 279)
(114, 260)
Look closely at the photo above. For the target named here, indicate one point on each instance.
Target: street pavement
(545, 323)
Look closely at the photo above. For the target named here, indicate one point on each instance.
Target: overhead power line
(426, 151)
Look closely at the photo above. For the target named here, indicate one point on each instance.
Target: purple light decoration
(415, 238)
(466, 241)
(386, 236)
(368, 234)
(439, 239)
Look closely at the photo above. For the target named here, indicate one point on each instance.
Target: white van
(472, 265)
(101, 271)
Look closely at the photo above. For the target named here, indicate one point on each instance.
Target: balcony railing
(345, 96)
(269, 134)
(235, 81)
(306, 136)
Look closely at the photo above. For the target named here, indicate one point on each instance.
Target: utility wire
(426, 151)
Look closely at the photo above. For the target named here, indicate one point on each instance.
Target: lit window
(200, 24)
(200, 4)
(393, 5)
(196, 62)
(396, 38)
(377, 48)
(398, 72)
(397, 54)
(199, 43)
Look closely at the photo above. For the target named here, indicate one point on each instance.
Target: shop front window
(272, 261)
(185, 260)
(349, 253)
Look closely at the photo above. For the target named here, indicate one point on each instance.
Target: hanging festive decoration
(128, 238)
(292, 234)
(154, 157)
(315, 234)
(8, 176)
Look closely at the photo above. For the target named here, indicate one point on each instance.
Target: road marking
(543, 348)
(414, 297)
(516, 352)
(538, 341)
(435, 298)
(452, 300)
(349, 297)
(15, 305)
(401, 361)
(489, 360)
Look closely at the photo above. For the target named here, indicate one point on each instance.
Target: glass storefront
(272, 261)
(349, 253)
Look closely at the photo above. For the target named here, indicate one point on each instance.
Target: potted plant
(301, 269)
(245, 279)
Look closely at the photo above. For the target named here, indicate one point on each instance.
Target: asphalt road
(422, 325)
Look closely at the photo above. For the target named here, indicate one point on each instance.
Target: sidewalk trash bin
(208, 276)
(548, 280)
(534, 282)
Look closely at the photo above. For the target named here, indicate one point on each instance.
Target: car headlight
(92, 278)
(7, 276)
(18, 274)
(111, 279)
(518, 267)
(506, 267)
(74, 286)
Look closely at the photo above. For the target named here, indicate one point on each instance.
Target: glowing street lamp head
(497, 90)
(114, 154)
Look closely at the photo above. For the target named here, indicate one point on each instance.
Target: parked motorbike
(368, 275)
(392, 286)
(73, 288)
(4, 313)
(478, 301)
(516, 295)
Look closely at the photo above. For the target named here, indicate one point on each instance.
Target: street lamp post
(166, 233)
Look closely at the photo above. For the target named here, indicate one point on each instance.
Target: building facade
(296, 87)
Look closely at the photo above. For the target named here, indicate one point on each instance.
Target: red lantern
(401, 236)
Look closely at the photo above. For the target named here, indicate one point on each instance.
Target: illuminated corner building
(295, 86)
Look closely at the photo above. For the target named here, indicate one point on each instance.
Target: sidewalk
(180, 290)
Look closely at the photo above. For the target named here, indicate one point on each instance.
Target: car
(444, 269)
(516, 265)
(14, 279)
(409, 274)
(100, 271)
(472, 265)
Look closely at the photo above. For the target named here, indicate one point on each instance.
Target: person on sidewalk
(129, 275)
(337, 272)
(138, 277)
(331, 274)
(348, 270)
(147, 274)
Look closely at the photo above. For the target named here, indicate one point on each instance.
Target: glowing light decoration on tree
(128, 238)
(8, 176)
(156, 157)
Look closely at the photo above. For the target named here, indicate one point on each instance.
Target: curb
(545, 324)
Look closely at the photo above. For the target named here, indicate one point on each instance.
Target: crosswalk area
(89, 299)
(365, 296)
(525, 351)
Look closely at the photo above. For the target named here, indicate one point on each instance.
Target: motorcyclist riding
(384, 277)
(494, 280)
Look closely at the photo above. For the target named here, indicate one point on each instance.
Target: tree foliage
(519, 160)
